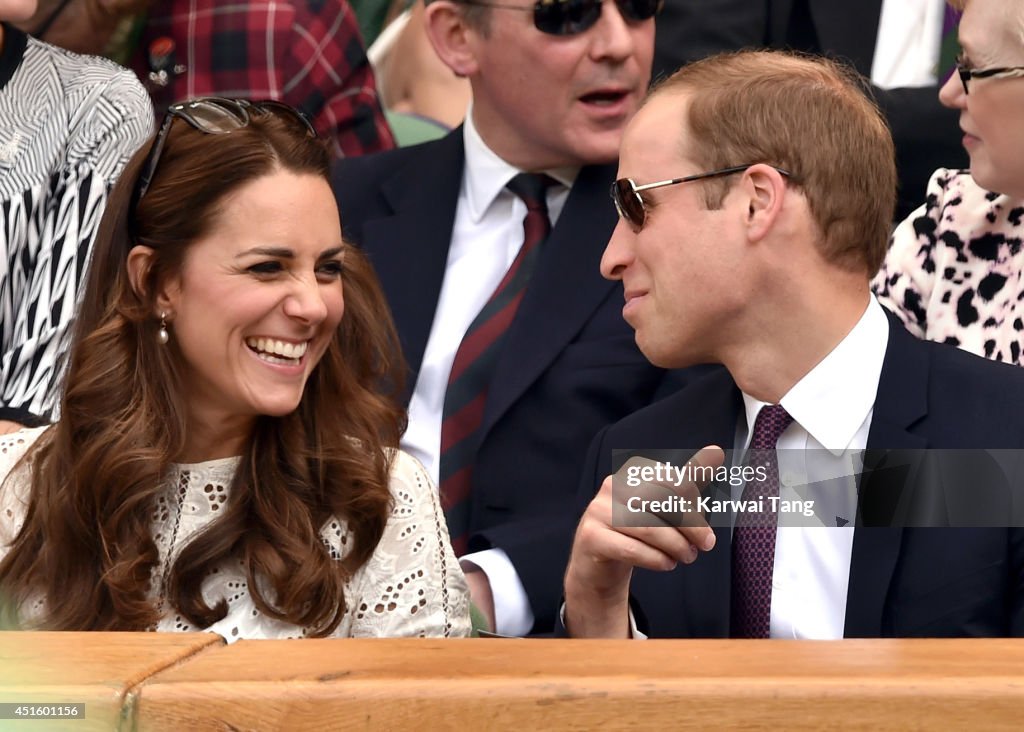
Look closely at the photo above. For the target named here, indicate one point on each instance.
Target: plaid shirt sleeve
(308, 54)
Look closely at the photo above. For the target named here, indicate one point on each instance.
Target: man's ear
(140, 259)
(451, 37)
(765, 188)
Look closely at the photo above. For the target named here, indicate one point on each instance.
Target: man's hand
(480, 591)
(603, 555)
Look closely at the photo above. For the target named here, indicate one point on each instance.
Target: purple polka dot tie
(753, 538)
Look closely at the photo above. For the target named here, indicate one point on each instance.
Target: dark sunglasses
(214, 116)
(631, 205)
(569, 17)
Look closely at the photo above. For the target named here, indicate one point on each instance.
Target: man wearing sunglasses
(755, 192)
(554, 84)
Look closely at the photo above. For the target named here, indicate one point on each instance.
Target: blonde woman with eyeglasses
(954, 268)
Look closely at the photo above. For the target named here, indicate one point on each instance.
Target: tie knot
(772, 421)
(532, 189)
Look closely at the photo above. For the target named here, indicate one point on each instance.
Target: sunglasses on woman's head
(214, 116)
(632, 207)
(569, 17)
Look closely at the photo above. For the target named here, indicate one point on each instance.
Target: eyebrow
(285, 253)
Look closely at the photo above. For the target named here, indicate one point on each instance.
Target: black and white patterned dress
(954, 272)
(68, 124)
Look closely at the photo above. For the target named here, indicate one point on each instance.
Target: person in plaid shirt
(307, 53)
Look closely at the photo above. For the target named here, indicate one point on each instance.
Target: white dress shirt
(831, 408)
(486, 237)
(908, 43)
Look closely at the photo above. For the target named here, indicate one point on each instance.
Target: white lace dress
(411, 586)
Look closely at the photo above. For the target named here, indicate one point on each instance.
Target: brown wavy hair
(86, 548)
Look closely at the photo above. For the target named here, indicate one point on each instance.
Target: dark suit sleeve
(589, 484)
(538, 546)
(596, 468)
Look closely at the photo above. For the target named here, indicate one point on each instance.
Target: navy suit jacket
(927, 134)
(931, 582)
(569, 364)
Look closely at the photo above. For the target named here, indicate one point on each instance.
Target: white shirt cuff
(513, 615)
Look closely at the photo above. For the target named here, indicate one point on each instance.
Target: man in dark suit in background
(762, 264)
(898, 56)
(552, 92)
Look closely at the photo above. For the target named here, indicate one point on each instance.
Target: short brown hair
(810, 116)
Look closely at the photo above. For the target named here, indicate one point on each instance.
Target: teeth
(274, 359)
(273, 347)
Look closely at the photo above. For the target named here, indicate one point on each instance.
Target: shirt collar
(834, 398)
(486, 174)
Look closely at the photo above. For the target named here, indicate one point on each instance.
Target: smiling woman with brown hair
(227, 454)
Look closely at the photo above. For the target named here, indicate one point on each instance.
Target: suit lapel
(409, 249)
(901, 402)
(708, 600)
(902, 399)
(564, 291)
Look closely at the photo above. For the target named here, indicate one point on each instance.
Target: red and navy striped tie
(474, 362)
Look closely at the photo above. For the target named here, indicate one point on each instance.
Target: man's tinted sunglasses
(569, 17)
(633, 208)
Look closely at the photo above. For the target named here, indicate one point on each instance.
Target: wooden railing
(151, 682)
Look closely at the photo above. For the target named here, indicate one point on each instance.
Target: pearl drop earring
(162, 336)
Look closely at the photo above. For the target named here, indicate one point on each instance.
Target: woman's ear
(140, 260)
